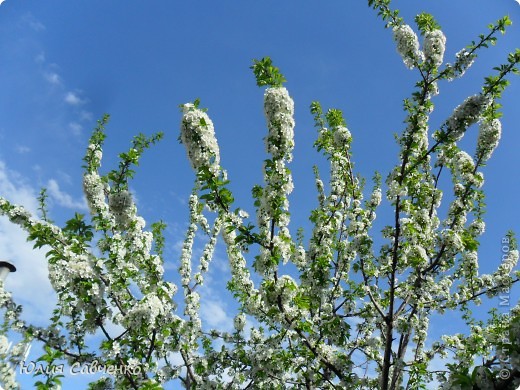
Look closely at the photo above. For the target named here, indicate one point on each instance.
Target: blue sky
(65, 63)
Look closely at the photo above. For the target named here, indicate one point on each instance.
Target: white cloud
(86, 116)
(76, 128)
(33, 23)
(53, 78)
(65, 177)
(213, 308)
(14, 188)
(30, 285)
(73, 99)
(40, 58)
(23, 149)
(64, 199)
(213, 314)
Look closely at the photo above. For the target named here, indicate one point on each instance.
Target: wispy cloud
(62, 198)
(215, 311)
(73, 99)
(22, 149)
(33, 23)
(30, 285)
(40, 58)
(75, 128)
(53, 78)
(213, 314)
(86, 116)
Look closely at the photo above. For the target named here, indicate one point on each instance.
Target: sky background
(64, 63)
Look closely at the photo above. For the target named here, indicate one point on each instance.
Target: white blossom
(342, 136)
(488, 138)
(279, 112)
(145, 312)
(240, 322)
(408, 45)
(464, 60)
(434, 46)
(466, 114)
(122, 208)
(198, 136)
(4, 345)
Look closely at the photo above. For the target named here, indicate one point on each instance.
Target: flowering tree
(335, 312)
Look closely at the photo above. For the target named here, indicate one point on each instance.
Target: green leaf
(426, 22)
(266, 73)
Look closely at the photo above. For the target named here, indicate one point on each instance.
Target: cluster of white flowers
(65, 272)
(240, 275)
(299, 257)
(283, 291)
(279, 112)
(464, 60)
(145, 312)
(395, 189)
(415, 138)
(466, 114)
(418, 255)
(282, 244)
(408, 45)
(207, 253)
(274, 204)
(342, 137)
(434, 46)
(4, 345)
(198, 135)
(477, 227)
(240, 322)
(501, 277)
(17, 214)
(138, 240)
(488, 138)
(7, 372)
(187, 247)
(463, 167)
(376, 197)
(95, 153)
(8, 376)
(452, 240)
(95, 192)
(121, 205)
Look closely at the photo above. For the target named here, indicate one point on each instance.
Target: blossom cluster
(488, 137)
(434, 46)
(146, 312)
(279, 112)
(7, 372)
(466, 114)
(96, 190)
(408, 45)
(121, 205)
(272, 199)
(198, 135)
(464, 60)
